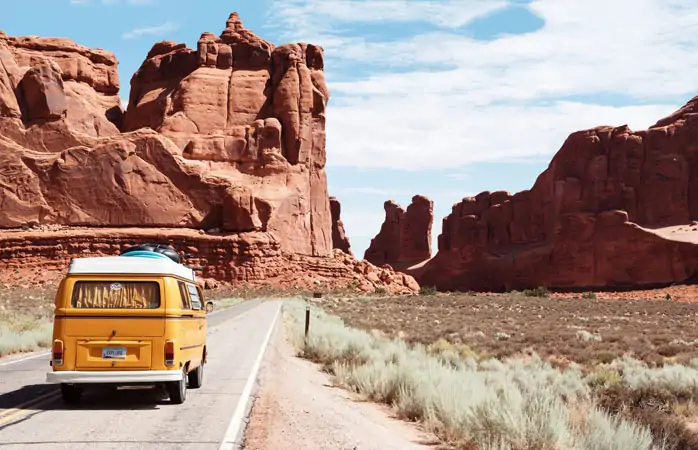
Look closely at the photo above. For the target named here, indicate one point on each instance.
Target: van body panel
(120, 327)
(134, 332)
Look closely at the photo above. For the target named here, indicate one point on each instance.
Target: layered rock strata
(615, 208)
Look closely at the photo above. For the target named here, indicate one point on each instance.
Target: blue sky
(444, 98)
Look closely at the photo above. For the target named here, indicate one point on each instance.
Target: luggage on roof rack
(155, 249)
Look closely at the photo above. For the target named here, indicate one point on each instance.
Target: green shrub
(540, 291)
(427, 290)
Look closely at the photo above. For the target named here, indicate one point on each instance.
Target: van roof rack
(133, 264)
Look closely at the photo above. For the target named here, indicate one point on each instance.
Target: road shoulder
(296, 407)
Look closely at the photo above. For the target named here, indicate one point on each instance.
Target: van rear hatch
(114, 323)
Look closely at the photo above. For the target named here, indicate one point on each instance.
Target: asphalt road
(32, 414)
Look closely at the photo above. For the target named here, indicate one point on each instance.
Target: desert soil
(586, 331)
(296, 407)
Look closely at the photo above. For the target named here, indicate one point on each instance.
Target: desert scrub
(227, 302)
(490, 404)
(584, 335)
(428, 290)
(540, 291)
(24, 333)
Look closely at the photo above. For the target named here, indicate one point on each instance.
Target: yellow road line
(237, 317)
(9, 415)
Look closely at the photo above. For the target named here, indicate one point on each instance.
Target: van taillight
(57, 352)
(169, 353)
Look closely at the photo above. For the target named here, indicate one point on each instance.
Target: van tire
(71, 394)
(178, 389)
(196, 377)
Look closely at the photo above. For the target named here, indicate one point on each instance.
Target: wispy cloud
(441, 99)
(304, 16)
(166, 27)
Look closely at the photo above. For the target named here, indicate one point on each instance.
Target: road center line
(235, 425)
(9, 415)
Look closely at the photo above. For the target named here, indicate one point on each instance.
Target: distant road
(32, 414)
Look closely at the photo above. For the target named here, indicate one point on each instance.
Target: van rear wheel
(71, 394)
(196, 378)
(178, 389)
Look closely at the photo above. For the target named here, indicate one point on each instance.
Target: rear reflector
(169, 353)
(57, 352)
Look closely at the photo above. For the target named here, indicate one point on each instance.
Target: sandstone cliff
(340, 241)
(405, 236)
(613, 209)
(238, 141)
(228, 137)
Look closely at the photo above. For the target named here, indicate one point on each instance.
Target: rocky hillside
(615, 208)
(227, 140)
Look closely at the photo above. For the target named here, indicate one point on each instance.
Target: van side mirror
(209, 307)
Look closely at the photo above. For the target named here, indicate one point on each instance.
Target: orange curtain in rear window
(113, 295)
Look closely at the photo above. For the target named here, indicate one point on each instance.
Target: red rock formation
(238, 141)
(52, 79)
(340, 241)
(607, 212)
(228, 137)
(405, 236)
(41, 255)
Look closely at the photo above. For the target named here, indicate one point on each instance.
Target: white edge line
(25, 358)
(233, 430)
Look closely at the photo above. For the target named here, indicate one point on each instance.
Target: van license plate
(113, 353)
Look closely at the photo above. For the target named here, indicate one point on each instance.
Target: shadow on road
(21, 405)
(46, 397)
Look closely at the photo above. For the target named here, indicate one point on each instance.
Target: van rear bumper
(114, 377)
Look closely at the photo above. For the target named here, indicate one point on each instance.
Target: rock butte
(405, 236)
(340, 241)
(614, 209)
(228, 138)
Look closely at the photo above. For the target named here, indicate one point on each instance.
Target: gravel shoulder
(296, 407)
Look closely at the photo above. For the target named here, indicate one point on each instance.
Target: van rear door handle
(200, 327)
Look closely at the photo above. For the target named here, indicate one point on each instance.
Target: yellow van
(129, 320)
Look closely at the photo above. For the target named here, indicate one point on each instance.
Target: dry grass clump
(487, 404)
(664, 398)
(226, 302)
(25, 319)
(24, 333)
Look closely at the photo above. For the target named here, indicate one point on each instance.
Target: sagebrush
(489, 404)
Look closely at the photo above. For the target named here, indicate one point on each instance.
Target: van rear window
(116, 295)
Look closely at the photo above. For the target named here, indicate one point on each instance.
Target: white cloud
(151, 31)
(306, 16)
(488, 101)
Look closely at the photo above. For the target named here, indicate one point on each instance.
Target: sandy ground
(296, 407)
